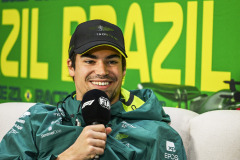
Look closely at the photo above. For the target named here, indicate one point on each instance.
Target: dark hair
(73, 59)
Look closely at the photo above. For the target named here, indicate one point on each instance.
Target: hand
(91, 142)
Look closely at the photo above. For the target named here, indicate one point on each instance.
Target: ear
(70, 68)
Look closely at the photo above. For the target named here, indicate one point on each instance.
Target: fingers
(101, 129)
(96, 142)
(92, 150)
(96, 137)
(91, 142)
(97, 127)
(95, 132)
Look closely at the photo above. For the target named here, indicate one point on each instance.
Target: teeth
(101, 83)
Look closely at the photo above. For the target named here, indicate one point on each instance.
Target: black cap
(91, 34)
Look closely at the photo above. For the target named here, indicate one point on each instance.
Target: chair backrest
(10, 112)
(212, 135)
(215, 135)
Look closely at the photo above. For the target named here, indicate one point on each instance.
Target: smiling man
(100, 68)
(138, 128)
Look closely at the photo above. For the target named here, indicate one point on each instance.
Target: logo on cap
(101, 28)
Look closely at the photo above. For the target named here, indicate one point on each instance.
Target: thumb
(108, 130)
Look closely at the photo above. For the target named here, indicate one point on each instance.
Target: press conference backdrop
(184, 42)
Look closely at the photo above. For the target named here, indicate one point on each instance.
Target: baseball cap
(94, 33)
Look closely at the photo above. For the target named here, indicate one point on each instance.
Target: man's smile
(100, 83)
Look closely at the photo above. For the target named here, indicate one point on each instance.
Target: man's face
(100, 68)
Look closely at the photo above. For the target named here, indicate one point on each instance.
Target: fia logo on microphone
(104, 102)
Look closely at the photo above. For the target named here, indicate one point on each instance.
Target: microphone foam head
(95, 107)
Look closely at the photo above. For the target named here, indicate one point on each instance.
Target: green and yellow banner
(181, 42)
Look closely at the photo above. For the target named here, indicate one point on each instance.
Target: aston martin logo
(102, 28)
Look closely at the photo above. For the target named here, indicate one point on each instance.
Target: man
(138, 128)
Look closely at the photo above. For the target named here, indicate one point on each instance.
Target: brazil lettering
(175, 14)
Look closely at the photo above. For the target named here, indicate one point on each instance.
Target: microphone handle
(96, 157)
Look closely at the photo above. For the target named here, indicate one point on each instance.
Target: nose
(101, 68)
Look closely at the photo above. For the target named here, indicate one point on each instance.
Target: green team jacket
(140, 130)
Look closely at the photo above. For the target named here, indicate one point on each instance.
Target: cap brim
(89, 46)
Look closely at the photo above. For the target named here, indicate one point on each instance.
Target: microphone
(95, 108)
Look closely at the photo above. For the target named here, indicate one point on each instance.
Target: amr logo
(170, 146)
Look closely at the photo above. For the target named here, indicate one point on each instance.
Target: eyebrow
(113, 56)
(89, 56)
(95, 57)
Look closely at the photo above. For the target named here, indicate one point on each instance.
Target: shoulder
(41, 108)
(40, 115)
(142, 93)
(160, 129)
(40, 111)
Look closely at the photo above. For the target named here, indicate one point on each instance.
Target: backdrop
(182, 42)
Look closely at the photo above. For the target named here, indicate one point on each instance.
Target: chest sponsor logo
(125, 125)
(120, 136)
(51, 133)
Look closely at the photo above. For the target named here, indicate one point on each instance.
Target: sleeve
(169, 145)
(18, 143)
(172, 147)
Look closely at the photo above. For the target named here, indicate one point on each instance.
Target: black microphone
(95, 108)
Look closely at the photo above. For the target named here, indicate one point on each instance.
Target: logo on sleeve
(170, 146)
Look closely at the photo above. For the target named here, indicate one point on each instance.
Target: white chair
(213, 135)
